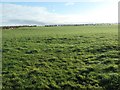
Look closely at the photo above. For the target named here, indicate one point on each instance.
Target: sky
(41, 13)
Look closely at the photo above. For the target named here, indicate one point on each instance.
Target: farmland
(61, 58)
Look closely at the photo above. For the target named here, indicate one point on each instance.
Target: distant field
(64, 58)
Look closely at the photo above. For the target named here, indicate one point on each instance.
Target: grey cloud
(17, 21)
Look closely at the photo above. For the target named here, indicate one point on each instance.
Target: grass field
(61, 58)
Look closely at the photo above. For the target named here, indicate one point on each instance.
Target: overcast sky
(40, 13)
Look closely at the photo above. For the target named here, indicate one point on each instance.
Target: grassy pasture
(64, 58)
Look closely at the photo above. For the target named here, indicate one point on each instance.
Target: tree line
(76, 25)
(13, 27)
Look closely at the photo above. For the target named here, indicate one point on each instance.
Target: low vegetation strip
(61, 58)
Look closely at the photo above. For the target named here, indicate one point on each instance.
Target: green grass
(65, 58)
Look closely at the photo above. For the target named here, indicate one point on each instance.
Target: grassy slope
(61, 57)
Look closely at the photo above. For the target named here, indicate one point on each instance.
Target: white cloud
(18, 14)
(69, 4)
(107, 13)
(12, 12)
